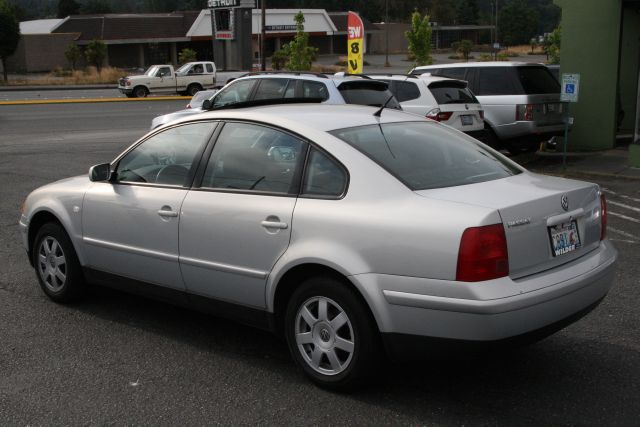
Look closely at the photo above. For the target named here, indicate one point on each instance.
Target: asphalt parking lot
(120, 359)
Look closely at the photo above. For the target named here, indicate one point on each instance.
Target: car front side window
(166, 158)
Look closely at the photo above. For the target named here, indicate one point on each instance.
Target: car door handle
(167, 214)
(275, 224)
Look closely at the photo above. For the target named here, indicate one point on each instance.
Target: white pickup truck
(186, 80)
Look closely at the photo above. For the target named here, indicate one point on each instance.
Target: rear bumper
(528, 131)
(490, 311)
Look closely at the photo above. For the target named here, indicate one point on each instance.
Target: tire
(139, 92)
(56, 264)
(337, 359)
(193, 88)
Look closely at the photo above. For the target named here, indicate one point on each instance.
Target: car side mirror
(100, 173)
(206, 104)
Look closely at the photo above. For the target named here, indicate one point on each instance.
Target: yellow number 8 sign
(355, 36)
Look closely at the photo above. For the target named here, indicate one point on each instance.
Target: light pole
(386, 31)
(263, 33)
(495, 32)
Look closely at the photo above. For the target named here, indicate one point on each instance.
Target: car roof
(298, 117)
(479, 64)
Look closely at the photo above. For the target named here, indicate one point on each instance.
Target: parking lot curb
(92, 100)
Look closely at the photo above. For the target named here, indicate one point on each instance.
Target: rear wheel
(56, 264)
(139, 92)
(192, 89)
(330, 334)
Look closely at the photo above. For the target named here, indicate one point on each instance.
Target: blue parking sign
(570, 87)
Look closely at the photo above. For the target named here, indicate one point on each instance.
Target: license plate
(466, 120)
(564, 238)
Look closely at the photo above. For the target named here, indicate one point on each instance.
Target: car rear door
(237, 222)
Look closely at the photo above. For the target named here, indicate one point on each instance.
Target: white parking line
(622, 205)
(633, 242)
(623, 233)
(606, 190)
(628, 218)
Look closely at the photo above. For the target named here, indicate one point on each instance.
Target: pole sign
(355, 37)
(570, 87)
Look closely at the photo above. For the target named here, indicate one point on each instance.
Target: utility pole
(213, 35)
(496, 30)
(386, 32)
(263, 34)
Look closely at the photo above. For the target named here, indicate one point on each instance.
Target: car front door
(237, 223)
(130, 225)
(166, 80)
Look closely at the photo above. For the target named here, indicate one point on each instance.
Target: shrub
(187, 55)
(419, 39)
(95, 52)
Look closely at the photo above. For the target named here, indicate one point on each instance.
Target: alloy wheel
(52, 264)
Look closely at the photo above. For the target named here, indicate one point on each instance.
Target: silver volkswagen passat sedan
(354, 232)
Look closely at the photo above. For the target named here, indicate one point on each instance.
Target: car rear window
(496, 81)
(364, 92)
(448, 92)
(406, 91)
(425, 155)
(537, 80)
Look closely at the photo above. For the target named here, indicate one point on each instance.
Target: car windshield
(451, 92)
(426, 155)
(151, 72)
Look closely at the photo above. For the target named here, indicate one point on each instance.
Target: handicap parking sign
(570, 87)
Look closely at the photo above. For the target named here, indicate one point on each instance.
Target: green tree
(68, 7)
(518, 23)
(552, 46)
(419, 39)
(187, 55)
(96, 7)
(73, 54)
(463, 47)
(300, 54)
(95, 52)
(9, 34)
(467, 12)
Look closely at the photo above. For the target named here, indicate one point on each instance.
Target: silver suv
(263, 87)
(521, 100)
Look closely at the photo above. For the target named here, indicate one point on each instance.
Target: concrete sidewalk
(612, 163)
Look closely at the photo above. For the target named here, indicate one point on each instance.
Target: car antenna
(379, 112)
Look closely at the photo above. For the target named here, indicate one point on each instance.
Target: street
(120, 359)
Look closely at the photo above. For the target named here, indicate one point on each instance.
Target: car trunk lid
(541, 234)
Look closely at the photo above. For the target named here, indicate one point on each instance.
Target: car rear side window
(314, 90)
(323, 177)
(209, 68)
(271, 89)
(496, 81)
(453, 73)
(537, 80)
(406, 91)
(451, 92)
(426, 155)
(248, 157)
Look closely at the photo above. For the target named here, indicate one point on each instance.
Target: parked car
(200, 97)
(265, 86)
(521, 101)
(186, 80)
(438, 98)
(351, 230)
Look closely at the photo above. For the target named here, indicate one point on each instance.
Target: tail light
(481, 114)
(483, 254)
(439, 116)
(524, 112)
(188, 105)
(603, 217)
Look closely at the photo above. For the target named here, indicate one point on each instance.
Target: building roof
(39, 26)
(114, 27)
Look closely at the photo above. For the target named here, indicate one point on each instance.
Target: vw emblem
(565, 202)
(324, 335)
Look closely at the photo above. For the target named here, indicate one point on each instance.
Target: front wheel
(139, 92)
(56, 263)
(330, 334)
